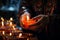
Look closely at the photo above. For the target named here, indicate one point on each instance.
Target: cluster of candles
(8, 30)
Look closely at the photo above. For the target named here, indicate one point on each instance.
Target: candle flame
(3, 32)
(11, 23)
(11, 19)
(28, 18)
(10, 34)
(26, 21)
(2, 23)
(13, 27)
(2, 18)
(20, 35)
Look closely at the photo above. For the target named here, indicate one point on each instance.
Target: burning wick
(11, 19)
(20, 35)
(28, 18)
(3, 32)
(10, 23)
(2, 23)
(2, 18)
(10, 34)
(13, 27)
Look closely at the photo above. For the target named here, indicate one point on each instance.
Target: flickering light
(28, 17)
(11, 19)
(20, 35)
(2, 23)
(3, 32)
(10, 34)
(11, 23)
(2, 18)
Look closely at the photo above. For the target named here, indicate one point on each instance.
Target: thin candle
(2, 18)
(2, 23)
(28, 18)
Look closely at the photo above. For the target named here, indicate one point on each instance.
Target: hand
(40, 22)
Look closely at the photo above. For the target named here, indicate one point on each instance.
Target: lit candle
(28, 18)
(2, 18)
(10, 34)
(13, 27)
(2, 23)
(11, 19)
(3, 32)
(11, 23)
(20, 35)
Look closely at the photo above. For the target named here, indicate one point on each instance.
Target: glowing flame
(20, 35)
(10, 34)
(28, 18)
(11, 19)
(3, 32)
(13, 27)
(2, 23)
(2, 18)
(25, 19)
(11, 23)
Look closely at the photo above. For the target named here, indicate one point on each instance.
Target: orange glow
(25, 19)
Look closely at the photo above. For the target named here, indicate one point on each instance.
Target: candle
(20, 35)
(2, 23)
(11, 19)
(13, 27)
(28, 18)
(2, 18)
(11, 23)
(3, 32)
(10, 34)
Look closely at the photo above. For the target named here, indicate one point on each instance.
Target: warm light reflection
(28, 18)
(25, 19)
